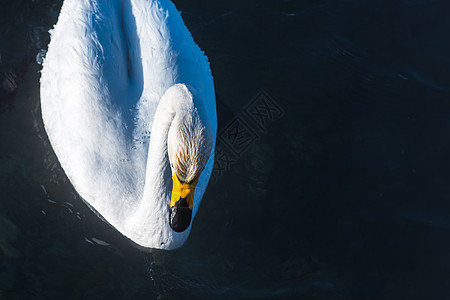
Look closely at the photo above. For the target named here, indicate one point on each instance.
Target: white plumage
(108, 65)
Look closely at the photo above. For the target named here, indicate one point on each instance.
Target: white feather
(108, 65)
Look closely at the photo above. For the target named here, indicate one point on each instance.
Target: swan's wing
(87, 91)
(169, 56)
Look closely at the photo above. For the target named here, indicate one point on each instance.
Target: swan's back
(108, 64)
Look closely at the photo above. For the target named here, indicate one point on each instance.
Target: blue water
(332, 178)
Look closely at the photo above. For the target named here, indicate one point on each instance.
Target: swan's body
(117, 78)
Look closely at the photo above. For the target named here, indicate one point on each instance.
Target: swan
(128, 104)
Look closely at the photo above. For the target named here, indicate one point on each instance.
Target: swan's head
(189, 147)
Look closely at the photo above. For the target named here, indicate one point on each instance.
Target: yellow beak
(181, 203)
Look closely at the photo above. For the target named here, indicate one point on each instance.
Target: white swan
(128, 104)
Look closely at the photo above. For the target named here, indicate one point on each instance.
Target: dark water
(333, 172)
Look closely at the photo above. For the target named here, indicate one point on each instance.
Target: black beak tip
(180, 218)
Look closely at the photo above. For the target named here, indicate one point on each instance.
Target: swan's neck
(152, 213)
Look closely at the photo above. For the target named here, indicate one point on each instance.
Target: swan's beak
(181, 203)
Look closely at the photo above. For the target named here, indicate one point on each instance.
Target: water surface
(332, 177)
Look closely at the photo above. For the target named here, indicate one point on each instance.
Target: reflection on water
(345, 195)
